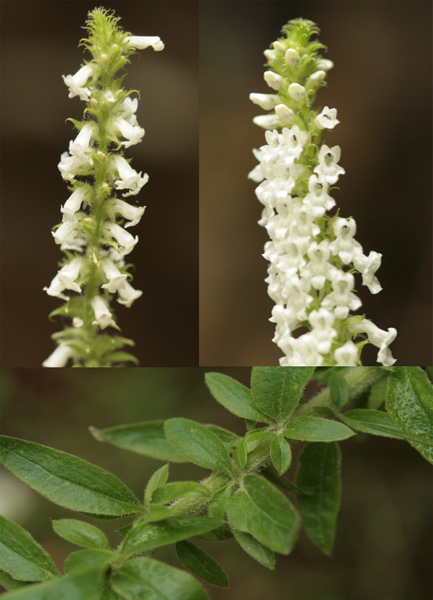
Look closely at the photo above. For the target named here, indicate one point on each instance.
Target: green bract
(244, 496)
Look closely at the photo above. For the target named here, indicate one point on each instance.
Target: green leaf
(319, 475)
(145, 438)
(338, 389)
(261, 510)
(409, 401)
(80, 586)
(121, 357)
(201, 564)
(81, 533)
(9, 583)
(88, 559)
(316, 429)
(234, 396)
(197, 444)
(109, 594)
(157, 512)
(226, 436)
(156, 480)
(21, 556)
(152, 580)
(281, 482)
(180, 489)
(153, 535)
(377, 393)
(240, 453)
(281, 454)
(376, 422)
(67, 480)
(276, 391)
(255, 549)
(217, 506)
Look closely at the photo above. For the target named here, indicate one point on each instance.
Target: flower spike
(313, 255)
(93, 232)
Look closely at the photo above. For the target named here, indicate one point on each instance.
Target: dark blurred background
(381, 86)
(39, 43)
(383, 545)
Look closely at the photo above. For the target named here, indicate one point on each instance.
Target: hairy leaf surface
(281, 454)
(201, 564)
(276, 391)
(316, 429)
(22, 557)
(255, 549)
(234, 396)
(81, 533)
(67, 480)
(319, 475)
(152, 580)
(145, 438)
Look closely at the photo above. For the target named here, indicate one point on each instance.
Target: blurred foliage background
(39, 43)
(382, 88)
(384, 538)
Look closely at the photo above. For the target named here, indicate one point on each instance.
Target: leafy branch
(246, 495)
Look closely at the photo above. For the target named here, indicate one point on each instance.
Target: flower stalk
(93, 234)
(313, 254)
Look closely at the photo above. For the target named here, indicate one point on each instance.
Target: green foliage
(319, 475)
(243, 497)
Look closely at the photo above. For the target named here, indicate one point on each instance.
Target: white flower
(133, 133)
(267, 121)
(144, 41)
(342, 299)
(318, 199)
(74, 202)
(321, 322)
(66, 279)
(103, 316)
(127, 294)
(68, 234)
(128, 211)
(77, 82)
(60, 356)
(291, 57)
(379, 338)
(325, 64)
(297, 92)
(328, 169)
(317, 77)
(367, 266)
(128, 177)
(265, 101)
(346, 355)
(79, 149)
(301, 351)
(344, 245)
(129, 108)
(273, 79)
(285, 114)
(124, 239)
(327, 118)
(115, 278)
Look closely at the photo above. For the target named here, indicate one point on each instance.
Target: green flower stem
(358, 379)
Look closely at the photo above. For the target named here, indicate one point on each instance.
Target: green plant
(245, 495)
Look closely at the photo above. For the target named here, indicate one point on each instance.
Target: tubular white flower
(291, 57)
(346, 355)
(141, 42)
(129, 179)
(103, 316)
(297, 92)
(133, 133)
(265, 101)
(273, 79)
(77, 198)
(367, 266)
(128, 211)
(59, 358)
(127, 294)
(129, 108)
(77, 82)
(328, 169)
(379, 338)
(115, 278)
(284, 113)
(327, 118)
(68, 235)
(124, 239)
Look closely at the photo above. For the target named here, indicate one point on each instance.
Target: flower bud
(297, 92)
(285, 114)
(291, 57)
(273, 79)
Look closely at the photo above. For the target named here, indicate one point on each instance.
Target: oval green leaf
(255, 549)
(180, 489)
(234, 396)
(81, 533)
(264, 512)
(409, 401)
(146, 536)
(319, 475)
(316, 429)
(372, 421)
(21, 556)
(88, 559)
(201, 564)
(281, 454)
(276, 391)
(196, 443)
(150, 579)
(67, 480)
(156, 480)
(147, 439)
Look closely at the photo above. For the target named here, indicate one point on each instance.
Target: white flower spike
(313, 255)
(92, 233)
